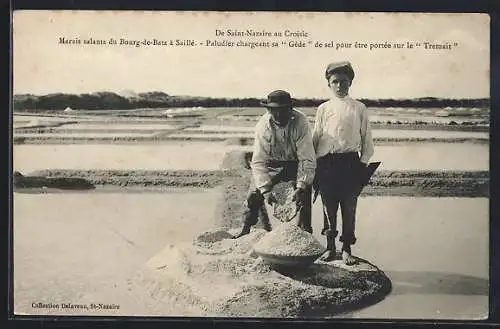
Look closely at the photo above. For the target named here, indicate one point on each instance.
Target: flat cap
(343, 66)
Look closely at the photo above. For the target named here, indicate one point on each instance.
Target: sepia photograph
(289, 165)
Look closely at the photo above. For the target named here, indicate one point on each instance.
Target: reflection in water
(209, 155)
(414, 282)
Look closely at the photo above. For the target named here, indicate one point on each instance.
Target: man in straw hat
(283, 151)
(343, 143)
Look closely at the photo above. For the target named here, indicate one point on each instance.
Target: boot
(249, 219)
(251, 213)
(244, 231)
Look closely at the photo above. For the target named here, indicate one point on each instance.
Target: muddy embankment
(36, 180)
(234, 175)
(141, 178)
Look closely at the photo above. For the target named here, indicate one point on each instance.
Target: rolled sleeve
(305, 155)
(367, 148)
(260, 172)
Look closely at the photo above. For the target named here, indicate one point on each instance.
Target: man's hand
(270, 198)
(298, 196)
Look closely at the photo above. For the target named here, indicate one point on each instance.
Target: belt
(281, 163)
(345, 155)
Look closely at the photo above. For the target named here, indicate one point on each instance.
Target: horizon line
(239, 97)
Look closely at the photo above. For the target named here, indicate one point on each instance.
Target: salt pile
(289, 240)
(220, 242)
(285, 207)
(219, 276)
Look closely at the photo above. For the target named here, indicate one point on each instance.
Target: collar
(292, 118)
(344, 99)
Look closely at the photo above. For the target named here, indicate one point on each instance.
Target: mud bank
(235, 177)
(234, 190)
(429, 184)
(143, 178)
(41, 181)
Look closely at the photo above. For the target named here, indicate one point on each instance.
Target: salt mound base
(222, 277)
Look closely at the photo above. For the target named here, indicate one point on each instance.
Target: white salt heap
(219, 276)
(288, 239)
(219, 242)
(285, 212)
(285, 208)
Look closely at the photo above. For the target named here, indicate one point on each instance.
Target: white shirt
(342, 126)
(290, 143)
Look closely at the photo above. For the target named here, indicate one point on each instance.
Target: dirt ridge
(235, 177)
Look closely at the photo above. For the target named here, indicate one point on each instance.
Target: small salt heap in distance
(289, 240)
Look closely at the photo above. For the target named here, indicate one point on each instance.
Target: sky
(42, 65)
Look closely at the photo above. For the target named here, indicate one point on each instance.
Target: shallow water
(434, 250)
(68, 246)
(209, 155)
(173, 156)
(432, 156)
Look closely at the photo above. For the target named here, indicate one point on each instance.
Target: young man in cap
(283, 151)
(343, 143)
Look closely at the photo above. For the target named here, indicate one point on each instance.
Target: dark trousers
(348, 206)
(281, 171)
(339, 184)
